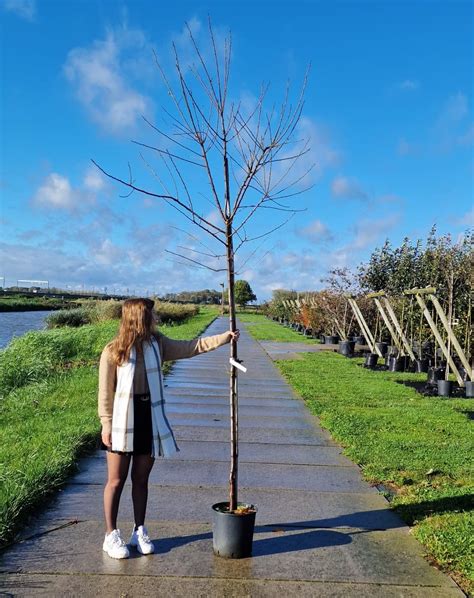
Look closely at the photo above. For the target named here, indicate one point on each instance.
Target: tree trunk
(234, 430)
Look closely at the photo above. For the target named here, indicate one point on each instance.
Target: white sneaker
(114, 546)
(140, 539)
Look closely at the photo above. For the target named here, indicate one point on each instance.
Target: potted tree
(236, 153)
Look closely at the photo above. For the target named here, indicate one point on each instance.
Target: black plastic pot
(444, 388)
(469, 389)
(232, 534)
(382, 347)
(360, 340)
(371, 360)
(421, 365)
(346, 348)
(435, 374)
(331, 340)
(322, 338)
(392, 350)
(398, 364)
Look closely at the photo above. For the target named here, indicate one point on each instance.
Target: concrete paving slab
(185, 550)
(126, 586)
(305, 436)
(292, 403)
(223, 421)
(251, 475)
(258, 453)
(253, 392)
(278, 507)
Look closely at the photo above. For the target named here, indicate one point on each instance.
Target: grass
(419, 447)
(264, 329)
(49, 412)
(22, 303)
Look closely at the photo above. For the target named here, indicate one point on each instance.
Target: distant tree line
(206, 296)
(439, 261)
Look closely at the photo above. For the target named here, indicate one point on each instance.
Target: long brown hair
(137, 325)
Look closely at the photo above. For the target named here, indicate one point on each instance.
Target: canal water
(16, 323)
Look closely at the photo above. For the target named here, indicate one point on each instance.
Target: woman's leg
(117, 471)
(141, 468)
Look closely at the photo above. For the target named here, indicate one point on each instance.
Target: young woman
(135, 428)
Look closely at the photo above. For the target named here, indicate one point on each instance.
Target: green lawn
(420, 447)
(264, 329)
(48, 410)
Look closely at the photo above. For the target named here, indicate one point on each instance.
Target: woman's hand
(234, 336)
(107, 438)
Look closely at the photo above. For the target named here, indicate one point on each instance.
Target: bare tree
(245, 157)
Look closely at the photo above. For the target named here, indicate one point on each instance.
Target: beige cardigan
(170, 350)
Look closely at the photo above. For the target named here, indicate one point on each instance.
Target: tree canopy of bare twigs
(242, 161)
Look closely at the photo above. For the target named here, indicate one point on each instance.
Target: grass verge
(419, 447)
(51, 418)
(264, 329)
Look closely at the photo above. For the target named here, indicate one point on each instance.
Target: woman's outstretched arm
(172, 349)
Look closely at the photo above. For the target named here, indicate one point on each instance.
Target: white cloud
(316, 231)
(98, 74)
(26, 9)
(406, 148)
(322, 151)
(453, 128)
(369, 231)
(467, 219)
(466, 138)
(454, 109)
(409, 85)
(108, 253)
(56, 192)
(94, 180)
(348, 188)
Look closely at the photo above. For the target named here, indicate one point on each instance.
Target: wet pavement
(320, 530)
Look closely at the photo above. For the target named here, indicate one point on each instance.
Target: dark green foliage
(243, 293)
(28, 303)
(69, 317)
(207, 296)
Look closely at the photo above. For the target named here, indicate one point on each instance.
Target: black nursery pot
(444, 388)
(398, 364)
(371, 360)
(421, 365)
(360, 340)
(346, 348)
(331, 340)
(382, 347)
(232, 534)
(435, 374)
(469, 389)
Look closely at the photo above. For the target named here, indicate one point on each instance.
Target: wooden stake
(438, 337)
(398, 327)
(451, 335)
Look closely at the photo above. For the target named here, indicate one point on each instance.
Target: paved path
(321, 530)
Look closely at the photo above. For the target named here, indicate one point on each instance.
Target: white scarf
(164, 443)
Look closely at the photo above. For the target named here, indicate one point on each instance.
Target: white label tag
(237, 365)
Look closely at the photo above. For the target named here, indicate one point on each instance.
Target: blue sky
(388, 111)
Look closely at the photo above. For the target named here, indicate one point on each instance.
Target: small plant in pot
(445, 386)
